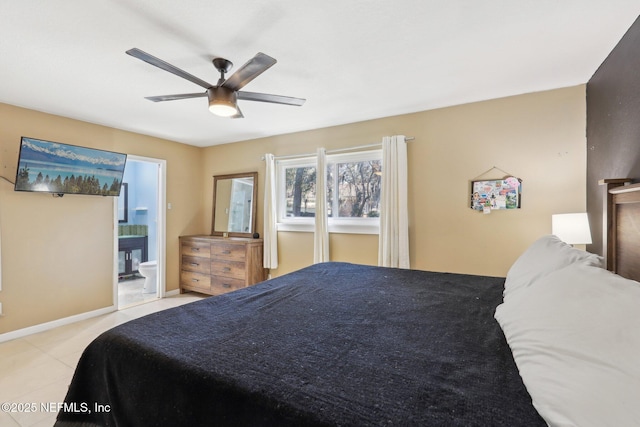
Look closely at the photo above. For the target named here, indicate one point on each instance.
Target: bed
(338, 344)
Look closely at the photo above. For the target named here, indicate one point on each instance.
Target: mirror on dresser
(234, 204)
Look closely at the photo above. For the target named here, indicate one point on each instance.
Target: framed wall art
(496, 194)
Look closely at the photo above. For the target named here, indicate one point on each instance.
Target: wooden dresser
(215, 265)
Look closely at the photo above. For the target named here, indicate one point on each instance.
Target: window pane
(300, 191)
(357, 185)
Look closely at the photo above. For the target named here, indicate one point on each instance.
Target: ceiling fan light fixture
(222, 110)
(222, 101)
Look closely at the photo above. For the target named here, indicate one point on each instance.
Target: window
(299, 191)
(353, 192)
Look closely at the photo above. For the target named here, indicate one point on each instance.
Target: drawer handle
(226, 269)
(226, 285)
(226, 252)
(195, 264)
(195, 280)
(195, 249)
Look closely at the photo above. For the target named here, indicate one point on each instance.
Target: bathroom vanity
(215, 265)
(132, 250)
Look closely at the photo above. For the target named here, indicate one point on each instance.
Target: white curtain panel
(321, 230)
(393, 247)
(270, 256)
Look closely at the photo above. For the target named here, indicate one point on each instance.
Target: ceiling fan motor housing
(222, 101)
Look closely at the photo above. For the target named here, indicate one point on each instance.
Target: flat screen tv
(52, 167)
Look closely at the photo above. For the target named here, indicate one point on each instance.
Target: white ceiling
(352, 60)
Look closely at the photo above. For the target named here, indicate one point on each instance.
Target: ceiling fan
(224, 95)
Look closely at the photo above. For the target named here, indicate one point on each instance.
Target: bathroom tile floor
(35, 371)
(130, 292)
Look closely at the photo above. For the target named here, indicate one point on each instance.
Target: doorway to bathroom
(140, 233)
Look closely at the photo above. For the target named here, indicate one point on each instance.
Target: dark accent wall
(613, 125)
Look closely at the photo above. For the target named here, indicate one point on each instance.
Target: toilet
(148, 271)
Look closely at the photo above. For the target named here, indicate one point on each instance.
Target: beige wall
(57, 253)
(538, 137)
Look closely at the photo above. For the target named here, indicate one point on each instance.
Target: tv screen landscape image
(53, 167)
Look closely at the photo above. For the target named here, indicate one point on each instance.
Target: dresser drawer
(215, 265)
(195, 281)
(234, 269)
(196, 248)
(228, 251)
(195, 264)
(220, 284)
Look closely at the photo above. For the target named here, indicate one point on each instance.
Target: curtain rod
(337, 150)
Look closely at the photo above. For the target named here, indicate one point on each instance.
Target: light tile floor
(36, 370)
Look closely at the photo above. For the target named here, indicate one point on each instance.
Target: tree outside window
(357, 187)
(300, 191)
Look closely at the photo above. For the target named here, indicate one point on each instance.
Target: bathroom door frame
(161, 229)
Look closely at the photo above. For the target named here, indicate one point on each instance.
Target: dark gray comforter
(333, 344)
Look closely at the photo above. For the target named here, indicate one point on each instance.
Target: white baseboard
(172, 293)
(20, 333)
(54, 324)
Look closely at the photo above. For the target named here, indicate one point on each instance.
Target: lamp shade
(572, 228)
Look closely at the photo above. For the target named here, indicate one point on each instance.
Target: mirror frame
(254, 204)
(123, 203)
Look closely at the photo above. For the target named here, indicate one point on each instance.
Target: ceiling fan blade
(137, 53)
(249, 71)
(238, 115)
(274, 99)
(176, 97)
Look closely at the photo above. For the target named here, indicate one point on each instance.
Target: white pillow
(575, 336)
(545, 255)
